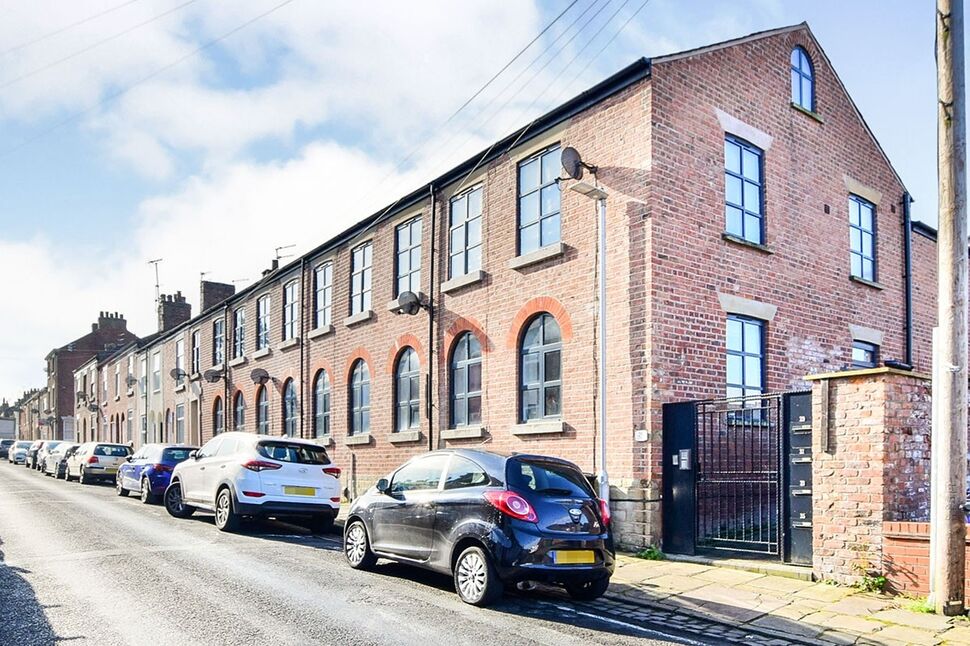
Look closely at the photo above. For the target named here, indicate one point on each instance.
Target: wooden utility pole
(950, 438)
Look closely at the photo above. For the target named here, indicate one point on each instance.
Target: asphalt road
(80, 565)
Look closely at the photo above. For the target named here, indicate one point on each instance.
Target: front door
(404, 521)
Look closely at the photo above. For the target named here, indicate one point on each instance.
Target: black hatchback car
(489, 521)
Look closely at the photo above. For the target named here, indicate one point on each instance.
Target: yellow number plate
(299, 491)
(573, 557)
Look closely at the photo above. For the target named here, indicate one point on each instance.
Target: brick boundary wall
(906, 557)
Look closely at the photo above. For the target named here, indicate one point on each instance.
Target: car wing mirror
(383, 485)
(194, 455)
(128, 458)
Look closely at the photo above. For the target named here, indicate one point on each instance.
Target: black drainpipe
(908, 271)
(303, 353)
(431, 361)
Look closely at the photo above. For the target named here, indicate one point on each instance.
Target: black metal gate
(739, 475)
(727, 477)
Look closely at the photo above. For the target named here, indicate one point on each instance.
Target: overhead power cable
(95, 45)
(65, 28)
(121, 92)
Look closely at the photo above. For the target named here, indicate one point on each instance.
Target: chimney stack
(213, 294)
(172, 311)
(109, 321)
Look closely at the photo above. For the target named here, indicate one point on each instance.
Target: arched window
(407, 380)
(238, 412)
(802, 80)
(321, 404)
(466, 381)
(359, 398)
(218, 416)
(291, 415)
(262, 411)
(540, 371)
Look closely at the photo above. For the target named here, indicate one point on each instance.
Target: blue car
(149, 470)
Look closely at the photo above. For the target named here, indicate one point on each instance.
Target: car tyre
(227, 520)
(589, 590)
(174, 504)
(476, 580)
(82, 479)
(146, 495)
(67, 475)
(119, 487)
(357, 547)
(321, 524)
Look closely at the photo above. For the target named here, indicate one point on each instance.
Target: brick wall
(870, 465)
(906, 557)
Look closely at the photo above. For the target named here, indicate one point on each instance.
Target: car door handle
(201, 468)
(223, 466)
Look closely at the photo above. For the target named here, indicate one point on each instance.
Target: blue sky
(214, 162)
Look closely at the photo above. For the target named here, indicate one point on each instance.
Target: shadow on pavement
(22, 618)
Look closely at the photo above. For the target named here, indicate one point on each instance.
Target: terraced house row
(757, 234)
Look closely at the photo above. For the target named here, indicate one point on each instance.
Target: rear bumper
(272, 508)
(525, 554)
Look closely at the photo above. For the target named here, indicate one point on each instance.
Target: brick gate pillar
(870, 463)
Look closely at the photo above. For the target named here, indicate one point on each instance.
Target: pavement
(81, 565)
(787, 609)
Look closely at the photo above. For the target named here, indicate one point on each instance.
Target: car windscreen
(23, 445)
(6, 442)
(51, 445)
(174, 456)
(546, 478)
(110, 451)
(293, 452)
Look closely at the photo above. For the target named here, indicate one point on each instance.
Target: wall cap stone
(864, 372)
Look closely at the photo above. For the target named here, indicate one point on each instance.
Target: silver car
(55, 462)
(18, 452)
(44, 451)
(96, 461)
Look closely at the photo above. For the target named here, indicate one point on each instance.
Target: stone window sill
(359, 317)
(539, 428)
(194, 376)
(357, 440)
(458, 282)
(738, 240)
(403, 437)
(238, 361)
(463, 433)
(290, 343)
(324, 440)
(131, 392)
(867, 282)
(265, 352)
(808, 113)
(320, 331)
(118, 397)
(537, 256)
(218, 366)
(180, 388)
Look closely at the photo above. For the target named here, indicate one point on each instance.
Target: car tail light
(254, 494)
(512, 504)
(332, 471)
(93, 459)
(605, 512)
(162, 468)
(261, 465)
(336, 499)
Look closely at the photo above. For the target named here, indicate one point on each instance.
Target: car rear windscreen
(176, 455)
(111, 451)
(6, 442)
(548, 478)
(293, 452)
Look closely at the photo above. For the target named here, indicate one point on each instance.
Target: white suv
(240, 475)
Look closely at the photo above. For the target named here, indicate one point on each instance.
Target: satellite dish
(80, 394)
(259, 376)
(408, 303)
(572, 163)
(177, 373)
(131, 380)
(93, 408)
(212, 376)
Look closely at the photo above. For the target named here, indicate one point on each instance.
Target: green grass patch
(651, 553)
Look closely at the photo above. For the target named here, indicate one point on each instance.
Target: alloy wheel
(222, 509)
(173, 499)
(356, 544)
(146, 490)
(472, 575)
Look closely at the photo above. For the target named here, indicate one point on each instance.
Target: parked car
(488, 520)
(18, 452)
(149, 470)
(5, 447)
(55, 462)
(96, 461)
(31, 461)
(237, 475)
(44, 451)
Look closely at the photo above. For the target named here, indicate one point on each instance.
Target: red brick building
(744, 191)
